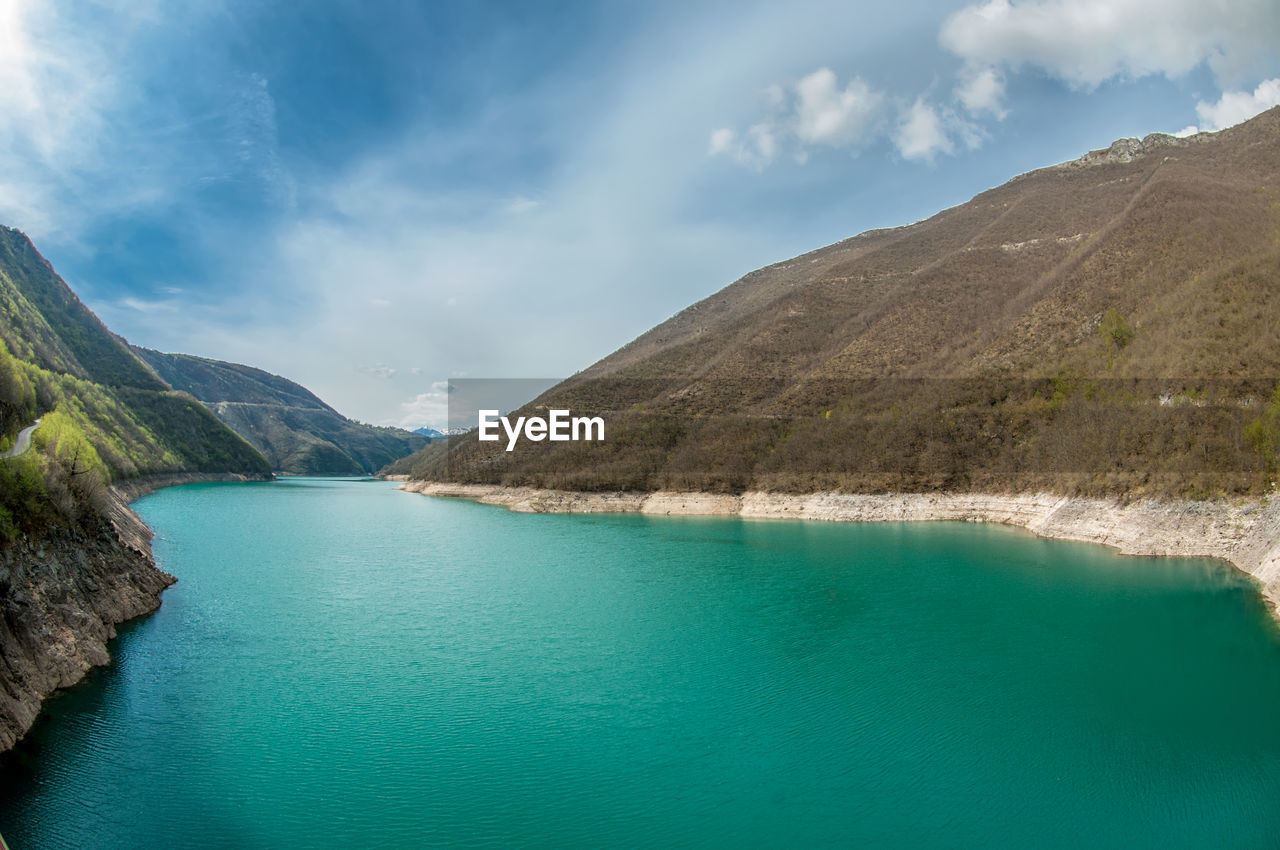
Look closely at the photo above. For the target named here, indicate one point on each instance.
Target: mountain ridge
(1021, 340)
(297, 432)
(58, 358)
(214, 381)
(75, 561)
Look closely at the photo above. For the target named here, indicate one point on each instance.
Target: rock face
(61, 597)
(1127, 150)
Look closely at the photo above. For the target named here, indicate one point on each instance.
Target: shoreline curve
(1245, 533)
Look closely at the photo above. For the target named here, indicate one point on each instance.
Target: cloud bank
(1087, 42)
(815, 111)
(1079, 43)
(1236, 106)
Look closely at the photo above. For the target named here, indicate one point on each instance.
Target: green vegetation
(25, 504)
(60, 333)
(17, 393)
(199, 441)
(1115, 330)
(1116, 334)
(1263, 435)
(213, 381)
(60, 482)
(297, 432)
(1106, 330)
(105, 415)
(132, 431)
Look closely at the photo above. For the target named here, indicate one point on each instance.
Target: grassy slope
(214, 381)
(64, 335)
(297, 431)
(106, 414)
(1024, 339)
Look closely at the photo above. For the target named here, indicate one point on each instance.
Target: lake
(342, 663)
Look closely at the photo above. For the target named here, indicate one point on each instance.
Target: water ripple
(345, 663)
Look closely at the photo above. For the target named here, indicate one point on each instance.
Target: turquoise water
(343, 664)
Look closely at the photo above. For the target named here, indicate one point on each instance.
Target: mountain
(428, 432)
(1107, 326)
(57, 360)
(74, 560)
(298, 433)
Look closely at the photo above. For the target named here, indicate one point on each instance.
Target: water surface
(342, 663)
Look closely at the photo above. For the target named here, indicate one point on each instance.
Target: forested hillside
(1108, 326)
(297, 432)
(104, 414)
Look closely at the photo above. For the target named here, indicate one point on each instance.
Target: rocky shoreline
(135, 488)
(1245, 534)
(65, 593)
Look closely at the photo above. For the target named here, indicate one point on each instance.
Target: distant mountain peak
(1127, 150)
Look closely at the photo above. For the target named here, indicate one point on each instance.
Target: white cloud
(481, 292)
(981, 90)
(825, 114)
(763, 141)
(755, 149)
(920, 134)
(143, 305)
(52, 89)
(379, 370)
(1236, 106)
(721, 141)
(520, 205)
(814, 111)
(1082, 43)
(50, 86)
(429, 409)
(252, 134)
(1189, 130)
(1085, 42)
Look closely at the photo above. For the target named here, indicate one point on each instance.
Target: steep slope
(1108, 326)
(214, 381)
(57, 358)
(74, 560)
(298, 432)
(44, 323)
(62, 593)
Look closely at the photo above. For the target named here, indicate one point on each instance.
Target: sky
(371, 197)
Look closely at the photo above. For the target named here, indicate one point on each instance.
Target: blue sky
(372, 197)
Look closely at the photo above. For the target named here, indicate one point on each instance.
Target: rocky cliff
(62, 594)
(74, 560)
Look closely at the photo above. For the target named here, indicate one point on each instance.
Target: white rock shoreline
(1246, 534)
